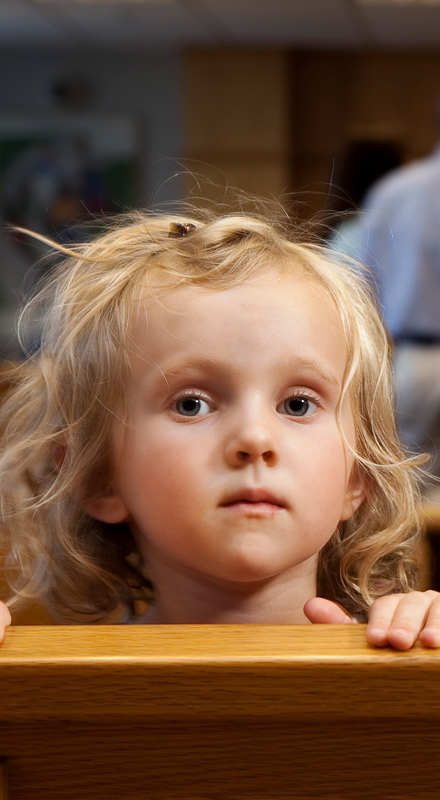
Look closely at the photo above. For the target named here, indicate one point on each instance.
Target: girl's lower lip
(259, 508)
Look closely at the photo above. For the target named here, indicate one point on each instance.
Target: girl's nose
(253, 441)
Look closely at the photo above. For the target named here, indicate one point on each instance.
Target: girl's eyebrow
(174, 369)
(303, 364)
(314, 367)
(194, 364)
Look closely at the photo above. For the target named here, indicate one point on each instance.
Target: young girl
(205, 434)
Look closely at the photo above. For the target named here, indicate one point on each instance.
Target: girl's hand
(396, 619)
(5, 619)
(401, 619)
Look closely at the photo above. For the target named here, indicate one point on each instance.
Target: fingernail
(431, 636)
(376, 633)
(401, 638)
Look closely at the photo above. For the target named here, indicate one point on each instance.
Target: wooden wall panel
(235, 101)
(271, 121)
(236, 113)
(339, 97)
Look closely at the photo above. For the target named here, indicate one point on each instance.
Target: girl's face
(232, 467)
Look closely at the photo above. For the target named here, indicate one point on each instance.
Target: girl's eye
(191, 406)
(298, 406)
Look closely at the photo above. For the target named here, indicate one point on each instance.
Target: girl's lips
(253, 509)
(257, 500)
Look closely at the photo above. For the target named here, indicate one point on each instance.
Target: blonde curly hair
(57, 419)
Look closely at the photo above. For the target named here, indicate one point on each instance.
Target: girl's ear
(355, 493)
(108, 507)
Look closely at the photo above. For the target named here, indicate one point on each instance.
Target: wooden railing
(218, 712)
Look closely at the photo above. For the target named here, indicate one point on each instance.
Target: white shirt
(400, 241)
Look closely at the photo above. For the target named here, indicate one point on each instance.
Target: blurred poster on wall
(57, 173)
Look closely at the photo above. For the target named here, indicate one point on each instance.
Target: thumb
(321, 611)
(5, 619)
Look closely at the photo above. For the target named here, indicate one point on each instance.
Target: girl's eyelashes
(298, 405)
(191, 405)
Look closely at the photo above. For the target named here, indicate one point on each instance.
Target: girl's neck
(185, 599)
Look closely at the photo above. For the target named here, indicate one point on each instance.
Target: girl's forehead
(263, 288)
(272, 296)
(269, 317)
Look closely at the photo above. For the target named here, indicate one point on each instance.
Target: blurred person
(400, 242)
(363, 162)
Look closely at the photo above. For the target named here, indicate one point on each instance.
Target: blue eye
(298, 406)
(191, 406)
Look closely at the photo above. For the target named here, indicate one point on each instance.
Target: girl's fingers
(5, 619)
(430, 635)
(324, 612)
(399, 619)
(380, 618)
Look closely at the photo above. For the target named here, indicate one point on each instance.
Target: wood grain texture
(3, 780)
(218, 712)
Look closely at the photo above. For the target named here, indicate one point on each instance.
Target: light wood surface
(218, 712)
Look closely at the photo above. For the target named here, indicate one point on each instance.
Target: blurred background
(104, 104)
